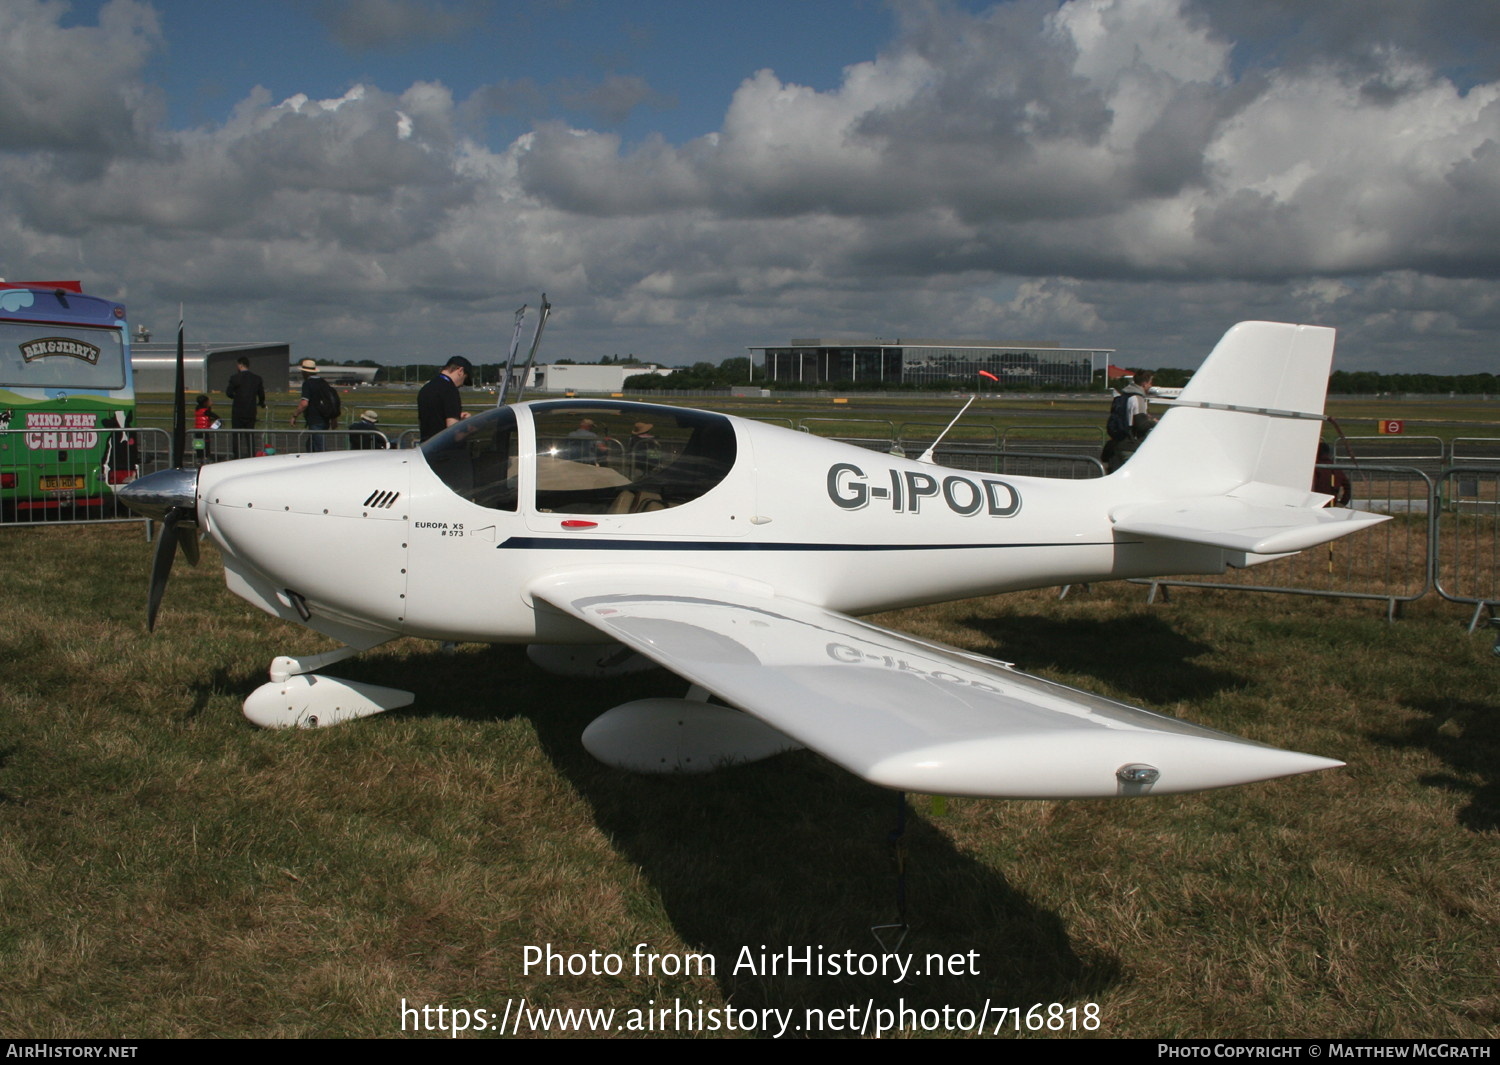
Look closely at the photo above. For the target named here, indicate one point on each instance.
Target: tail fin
(1231, 463)
(1252, 414)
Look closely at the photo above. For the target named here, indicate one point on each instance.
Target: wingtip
(1106, 765)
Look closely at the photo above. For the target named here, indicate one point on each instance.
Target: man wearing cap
(314, 389)
(438, 404)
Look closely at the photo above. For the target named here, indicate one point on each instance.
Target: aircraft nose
(153, 495)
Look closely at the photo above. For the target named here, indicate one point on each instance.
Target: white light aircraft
(734, 553)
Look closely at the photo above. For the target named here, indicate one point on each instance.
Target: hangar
(207, 367)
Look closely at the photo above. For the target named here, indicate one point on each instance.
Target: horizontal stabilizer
(902, 712)
(1240, 525)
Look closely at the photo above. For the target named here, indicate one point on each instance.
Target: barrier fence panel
(1062, 465)
(1400, 447)
(42, 483)
(1389, 562)
(221, 445)
(856, 431)
(870, 443)
(1463, 450)
(917, 437)
(1466, 562)
(1427, 453)
(1083, 439)
(986, 458)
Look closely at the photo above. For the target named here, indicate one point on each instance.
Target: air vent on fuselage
(382, 500)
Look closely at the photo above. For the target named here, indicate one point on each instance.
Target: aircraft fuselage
(379, 542)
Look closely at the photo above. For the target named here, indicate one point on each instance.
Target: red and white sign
(1391, 425)
(48, 430)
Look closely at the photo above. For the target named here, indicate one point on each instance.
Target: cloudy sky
(390, 179)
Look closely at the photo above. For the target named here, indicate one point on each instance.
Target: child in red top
(204, 417)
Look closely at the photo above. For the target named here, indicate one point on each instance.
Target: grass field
(168, 870)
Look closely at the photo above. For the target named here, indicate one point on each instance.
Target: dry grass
(167, 870)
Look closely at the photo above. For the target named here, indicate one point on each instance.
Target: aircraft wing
(899, 711)
(1241, 525)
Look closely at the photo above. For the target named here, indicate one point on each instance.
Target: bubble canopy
(589, 457)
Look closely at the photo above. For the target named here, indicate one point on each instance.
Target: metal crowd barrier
(1391, 562)
(1021, 462)
(887, 444)
(1085, 439)
(1426, 453)
(819, 427)
(1407, 450)
(42, 483)
(1466, 540)
(979, 433)
(222, 445)
(987, 458)
(1464, 450)
(858, 433)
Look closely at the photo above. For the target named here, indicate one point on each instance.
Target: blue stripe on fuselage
(565, 543)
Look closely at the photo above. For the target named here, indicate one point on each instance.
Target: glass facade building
(1026, 365)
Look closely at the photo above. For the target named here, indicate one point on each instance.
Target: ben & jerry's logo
(78, 349)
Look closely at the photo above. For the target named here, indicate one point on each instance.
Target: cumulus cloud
(75, 89)
(1077, 172)
(1124, 144)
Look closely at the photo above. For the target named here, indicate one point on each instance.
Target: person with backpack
(1129, 421)
(320, 404)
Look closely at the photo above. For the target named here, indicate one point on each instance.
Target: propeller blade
(170, 497)
(162, 493)
(187, 539)
(161, 566)
(179, 409)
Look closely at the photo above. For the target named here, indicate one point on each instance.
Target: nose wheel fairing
(313, 701)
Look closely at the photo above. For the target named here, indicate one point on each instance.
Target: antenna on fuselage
(536, 340)
(510, 362)
(927, 455)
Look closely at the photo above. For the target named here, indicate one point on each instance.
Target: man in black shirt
(438, 404)
(319, 404)
(246, 392)
(365, 433)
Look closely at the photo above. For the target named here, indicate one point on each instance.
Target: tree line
(1367, 382)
